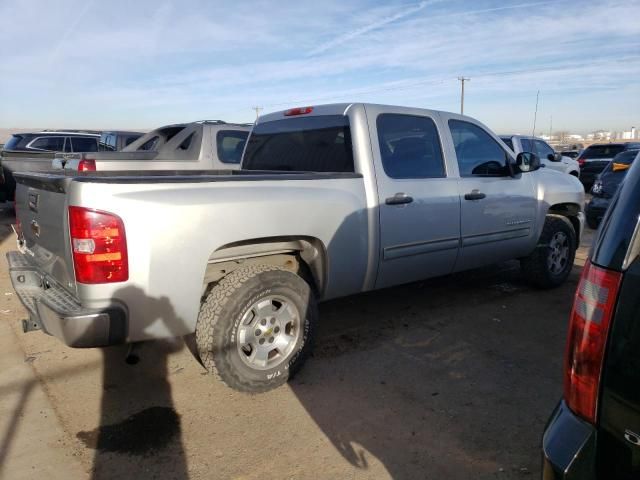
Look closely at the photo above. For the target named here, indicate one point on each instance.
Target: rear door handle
(399, 199)
(474, 195)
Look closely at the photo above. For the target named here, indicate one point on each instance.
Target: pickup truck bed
(332, 200)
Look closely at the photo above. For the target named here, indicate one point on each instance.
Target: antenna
(535, 115)
(462, 80)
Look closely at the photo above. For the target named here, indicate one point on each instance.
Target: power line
(397, 86)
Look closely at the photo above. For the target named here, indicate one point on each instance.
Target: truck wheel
(256, 327)
(550, 263)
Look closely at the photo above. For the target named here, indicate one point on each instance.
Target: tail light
(591, 315)
(99, 246)
(87, 165)
(298, 111)
(581, 161)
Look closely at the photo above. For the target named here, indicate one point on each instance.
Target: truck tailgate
(41, 211)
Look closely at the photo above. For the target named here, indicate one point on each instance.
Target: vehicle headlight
(597, 187)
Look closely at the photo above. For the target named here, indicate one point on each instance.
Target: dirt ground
(451, 378)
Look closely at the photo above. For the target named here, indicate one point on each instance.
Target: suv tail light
(591, 315)
(99, 246)
(87, 165)
(581, 161)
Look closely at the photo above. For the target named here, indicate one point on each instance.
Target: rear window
(602, 151)
(13, 142)
(230, 144)
(310, 144)
(84, 144)
(624, 158)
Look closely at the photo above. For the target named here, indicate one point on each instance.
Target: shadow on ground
(433, 390)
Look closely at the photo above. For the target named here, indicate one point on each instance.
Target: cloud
(367, 28)
(168, 62)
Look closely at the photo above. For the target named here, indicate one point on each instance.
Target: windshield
(310, 144)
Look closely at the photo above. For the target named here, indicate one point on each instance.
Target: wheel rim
(268, 332)
(558, 253)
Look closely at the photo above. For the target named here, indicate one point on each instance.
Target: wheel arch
(305, 255)
(571, 211)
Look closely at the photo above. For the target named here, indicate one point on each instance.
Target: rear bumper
(54, 310)
(568, 447)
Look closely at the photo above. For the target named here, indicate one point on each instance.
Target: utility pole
(258, 110)
(535, 115)
(462, 80)
(550, 127)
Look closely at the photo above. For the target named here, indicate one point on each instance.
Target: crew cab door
(498, 211)
(419, 205)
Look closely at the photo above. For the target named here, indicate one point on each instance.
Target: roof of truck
(342, 108)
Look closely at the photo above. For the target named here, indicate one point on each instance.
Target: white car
(548, 157)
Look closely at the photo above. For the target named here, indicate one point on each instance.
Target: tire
(549, 265)
(593, 223)
(257, 298)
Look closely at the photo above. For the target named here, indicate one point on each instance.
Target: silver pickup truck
(202, 145)
(331, 201)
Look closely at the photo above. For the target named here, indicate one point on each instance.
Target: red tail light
(298, 111)
(87, 165)
(593, 307)
(581, 161)
(99, 246)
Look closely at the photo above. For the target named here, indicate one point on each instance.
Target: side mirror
(554, 157)
(527, 162)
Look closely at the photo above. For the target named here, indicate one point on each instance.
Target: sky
(142, 64)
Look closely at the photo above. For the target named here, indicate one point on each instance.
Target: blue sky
(141, 64)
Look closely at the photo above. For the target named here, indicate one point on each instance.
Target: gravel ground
(452, 378)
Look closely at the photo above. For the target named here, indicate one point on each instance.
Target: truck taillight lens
(591, 315)
(298, 111)
(99, 246)
(87, 165)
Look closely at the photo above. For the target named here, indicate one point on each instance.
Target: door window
(543, 149)
(478, 154)
(81, 144)
(52, 144)
(409, 146)
(527, 145)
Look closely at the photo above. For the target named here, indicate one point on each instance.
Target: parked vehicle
(332, 200)
(594, 432)
(573, 154)
(597, 156)
(203, 145)
(112, 141)
(605, 187)
(33, 152)
(548, 157)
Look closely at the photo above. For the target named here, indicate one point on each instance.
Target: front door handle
(399, 199)
(474, 195)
